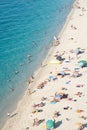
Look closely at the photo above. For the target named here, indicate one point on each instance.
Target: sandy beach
(58, 90)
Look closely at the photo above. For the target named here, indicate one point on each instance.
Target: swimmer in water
(12, 89)
(28, 56)
(21, 64)
(8, 80)
(34, 43)
(16, 72)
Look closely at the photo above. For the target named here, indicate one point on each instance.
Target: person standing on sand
(8, 114)
(30, 80)
(28, 92)
(36, 122)
(56, 42)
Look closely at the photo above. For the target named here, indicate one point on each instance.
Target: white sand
(24, 117)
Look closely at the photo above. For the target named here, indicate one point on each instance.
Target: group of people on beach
(68, 91)
(58, 96)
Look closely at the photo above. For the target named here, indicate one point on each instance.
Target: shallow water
(27, 27)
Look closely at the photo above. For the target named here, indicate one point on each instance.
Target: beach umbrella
(58, 96)
(82, 63)
(50, 124)
(59, 58)
(62, 72)
(76, 51)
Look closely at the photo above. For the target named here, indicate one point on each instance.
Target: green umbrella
(82, 63)
(49, 124)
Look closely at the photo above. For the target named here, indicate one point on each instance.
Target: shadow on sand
(58, 123)
(84, 125)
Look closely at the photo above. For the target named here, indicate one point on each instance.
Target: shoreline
(41, 69)
(52, 48)
(47, 58)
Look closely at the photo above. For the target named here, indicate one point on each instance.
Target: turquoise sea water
(27, 28)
